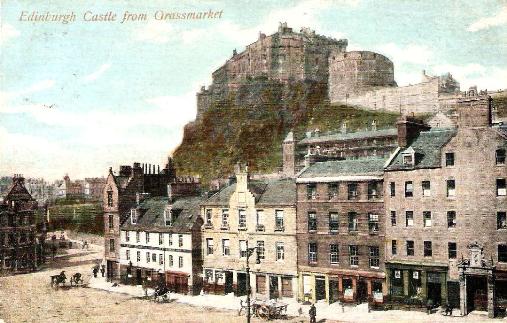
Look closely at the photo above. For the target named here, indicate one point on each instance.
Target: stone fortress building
(360, 78)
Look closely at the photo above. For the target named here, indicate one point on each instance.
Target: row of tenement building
(381, 216)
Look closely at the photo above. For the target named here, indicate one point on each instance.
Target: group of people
(96, 269)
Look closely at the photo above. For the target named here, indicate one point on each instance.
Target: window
(242, 218)
(354, 255)
(242, 249)
(208, 217)
(160, 259)
(279, 220)
(500, 187)
(138, 236)
(410, 248)
(312, 221)
(260, 220)
(260, 249)
(109, 198)
(180, 261)
(225, 218)
(394, 247)
(170, 238)
(373, 223)
(127, 236)
(167, 217)
(332, 190)
(209, 246)
(372, 190)
(451, 219)
(160, 238)
(111, 245)
(133, 216)
(333, 254)
(427, 249)
(111, 221)
(393, 218)
(333, 222)
(426, 188)
(312, 252)
(451, 247)
(352, 191)
(280, 251)
(408, 159)
(501, 220)
(311, 191)
(427, 218)
(352, 221)
(500, 156)
(154, 257)
(451, 188)
(449, 159)
(147, 235)
(138, 256)
(225, 247)
(392, 189)
(148, 258)
(127, 254)
(180, 240)
(374, 258)
(409, 218)
(171, 260)
(502, 253)
(409, 189)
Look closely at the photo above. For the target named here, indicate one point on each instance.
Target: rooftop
(348, 167)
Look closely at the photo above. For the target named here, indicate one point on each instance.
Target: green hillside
(79, 217)
(251, 124)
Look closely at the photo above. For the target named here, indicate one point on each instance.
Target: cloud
(35, 87)
(487, 22)
(95, 75)
(490, 78)
(7, 31)
(158, 32)
(411, 53)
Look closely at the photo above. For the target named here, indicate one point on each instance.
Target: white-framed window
(334, 257)
(373, 222)
(160, 238)
(259, 220)
(242, 249)
(154, 257)
(279, 223)
(127, 254)
(225, 218)
(147, 235)
(208, 217)
(148, 257)
(242, 218)
(171, 261)
(138, 236)
(127, 236)
(167, 217)
(226, 251)
(180, 261)
(133, 216)
(260, 249)
(209, 246)
(374, 257)
(409, 189)
(161, 259)
(138, 256)
(312, 252)
(280, 251)
(353, 255)
(180, 240)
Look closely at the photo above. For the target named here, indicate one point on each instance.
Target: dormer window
(409, 157)
(168, 217)
(133, 216)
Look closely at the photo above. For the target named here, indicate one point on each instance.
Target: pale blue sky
(122, 92)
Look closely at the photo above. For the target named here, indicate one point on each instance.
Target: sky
(79, 97)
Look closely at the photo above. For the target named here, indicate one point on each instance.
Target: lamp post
(249, 252)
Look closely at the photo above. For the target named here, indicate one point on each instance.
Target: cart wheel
(264, 312)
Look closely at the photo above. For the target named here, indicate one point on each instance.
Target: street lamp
(249, 252)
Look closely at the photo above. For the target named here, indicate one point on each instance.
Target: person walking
(102, 270)
(95, 271)
(313, 314)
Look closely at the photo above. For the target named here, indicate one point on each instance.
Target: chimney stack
(409, 129)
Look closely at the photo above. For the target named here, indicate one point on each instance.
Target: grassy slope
(82, 217)
(250, 126)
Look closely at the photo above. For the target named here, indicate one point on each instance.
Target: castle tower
(288, 155)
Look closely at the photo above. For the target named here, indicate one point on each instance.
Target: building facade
(340, 231)
(257, 214)
(22, 235)
(445, 201)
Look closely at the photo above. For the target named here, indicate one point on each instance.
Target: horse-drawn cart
(269, 310)
(61, 279)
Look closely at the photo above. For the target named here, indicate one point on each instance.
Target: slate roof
(18, 192)
(266, 192)
(391, 132)
(428, 150)
(121, 181)
(151, 215)
(347, 167)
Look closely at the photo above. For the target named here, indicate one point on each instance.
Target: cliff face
(251, 123)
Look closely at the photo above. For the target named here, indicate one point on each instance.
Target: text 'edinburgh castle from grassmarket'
(410, 215)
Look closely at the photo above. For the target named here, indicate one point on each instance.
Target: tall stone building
(257, 214)
(445, 202)
(340, 231)
(22, 236)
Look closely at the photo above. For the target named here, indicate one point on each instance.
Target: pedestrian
(145, 286)
(313, 313)
(429, 306)
(102, 270)
(95, 270)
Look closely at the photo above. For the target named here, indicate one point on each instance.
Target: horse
(161, 294)
(56, 280)
(76, 279)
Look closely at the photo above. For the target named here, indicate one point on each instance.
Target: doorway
(228, 282)
(320, 288)
(477, 293)
(273, 287)
(434, 288)
(139, 277)
(334, 293)
(362, 291)
(242, 284)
